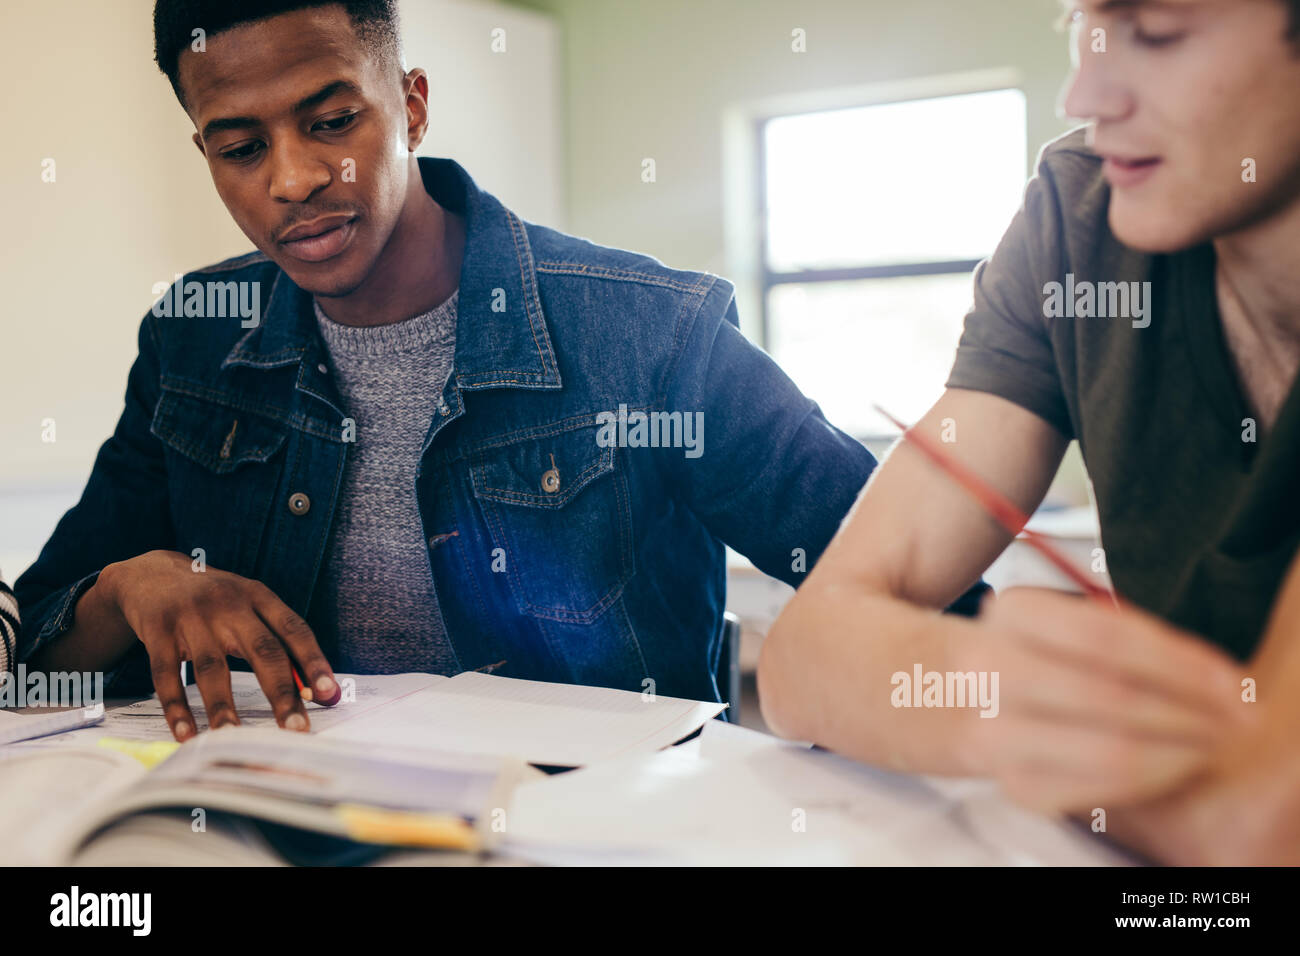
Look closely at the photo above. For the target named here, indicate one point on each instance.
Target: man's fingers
(1089, 765)
(1054, 790)
(270, 663)
(212, 675)
(1128, 642)
(1061, 690)
(165, 669)
(302, 646)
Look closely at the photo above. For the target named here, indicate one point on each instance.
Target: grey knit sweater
(377, 586)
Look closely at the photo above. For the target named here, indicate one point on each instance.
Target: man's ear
(416, 83)
(198, 141)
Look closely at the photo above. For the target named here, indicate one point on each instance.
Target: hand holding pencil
(1099, 702)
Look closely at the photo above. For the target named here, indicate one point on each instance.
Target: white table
(734, 796)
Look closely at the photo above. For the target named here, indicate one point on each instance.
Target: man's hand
(183, 615)
(1097, 706)
(1244, 810)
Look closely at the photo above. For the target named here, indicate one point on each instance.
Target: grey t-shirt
(376, 591)
(1124, 351)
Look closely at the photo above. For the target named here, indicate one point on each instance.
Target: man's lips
(1126, 171)
(319, 239)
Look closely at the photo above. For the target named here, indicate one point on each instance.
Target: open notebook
(564, 725)
(401, 742)
(250, 796)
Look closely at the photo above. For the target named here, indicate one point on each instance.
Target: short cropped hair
(174, 23)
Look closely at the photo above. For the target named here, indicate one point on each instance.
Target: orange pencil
(1002, 510)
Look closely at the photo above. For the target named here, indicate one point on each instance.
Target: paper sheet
(557, 724)
(744, 798)
(31, 723)
(143, 720)
(34, 779)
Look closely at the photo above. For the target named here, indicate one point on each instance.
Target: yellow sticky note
(437, 831)
(150, 752)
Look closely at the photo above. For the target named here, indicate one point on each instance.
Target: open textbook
(564, 725)
(396, 744)
(247, 796)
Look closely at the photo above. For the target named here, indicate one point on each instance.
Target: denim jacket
(561, 540)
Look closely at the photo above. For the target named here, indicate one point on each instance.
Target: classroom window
(873, 219)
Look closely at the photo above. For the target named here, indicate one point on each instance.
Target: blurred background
(844, 162)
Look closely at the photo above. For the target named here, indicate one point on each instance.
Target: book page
(326, 772)
(565, 725)
(307, 782)
(30, 723)
(167, 838)
(143, 719)
(42, 790)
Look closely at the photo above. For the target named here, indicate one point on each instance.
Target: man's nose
(295, 174)
(1095, 90)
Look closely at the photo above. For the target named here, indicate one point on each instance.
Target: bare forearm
(825, 676)
(99, 636)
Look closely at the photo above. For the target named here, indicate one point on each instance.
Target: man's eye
(1156, 39)
(242, 152)
(337, 123)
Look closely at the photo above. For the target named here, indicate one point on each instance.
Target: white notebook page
(557, 724)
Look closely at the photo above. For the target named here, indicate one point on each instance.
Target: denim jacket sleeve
(775, 478)
(123, 512)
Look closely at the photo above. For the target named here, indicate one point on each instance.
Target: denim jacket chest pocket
(557, 505)
(223, 466)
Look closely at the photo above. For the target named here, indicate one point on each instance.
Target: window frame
(770, 279)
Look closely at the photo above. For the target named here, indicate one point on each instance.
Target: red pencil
(1002, 510)
(303, 690)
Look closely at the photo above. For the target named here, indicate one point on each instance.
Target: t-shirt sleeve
(1005, 348)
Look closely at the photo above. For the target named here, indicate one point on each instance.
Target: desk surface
(733, 796)
(736, 796)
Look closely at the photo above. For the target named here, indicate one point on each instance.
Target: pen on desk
(1002, 509)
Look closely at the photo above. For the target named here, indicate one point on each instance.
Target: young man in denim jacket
(413, 432)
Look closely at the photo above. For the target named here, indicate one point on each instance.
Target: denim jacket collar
(501, 332)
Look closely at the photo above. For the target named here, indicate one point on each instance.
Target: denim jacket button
(299, 503)
(444, 408)
(551, 481)
(323, 368)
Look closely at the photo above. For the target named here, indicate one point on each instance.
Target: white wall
(499, 115)
(132, 204)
